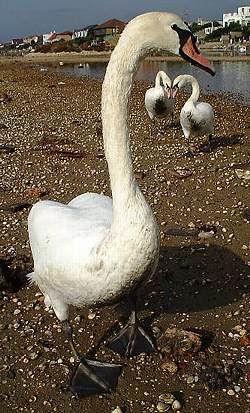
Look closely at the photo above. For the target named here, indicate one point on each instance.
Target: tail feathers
(31, 277)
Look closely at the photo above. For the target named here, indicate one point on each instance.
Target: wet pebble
(170, 366)
(162, 407)
(117, 410)
(176, 405)
(167, 398)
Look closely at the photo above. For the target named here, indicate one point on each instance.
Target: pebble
(78, 318)
(231, 392)
(170, 366)
(190, 379)
(17, 311)
(176, 405)
(205, 235)
(91, 315)
(117, 410)
(33, 356)
(167, 398)
(162, 407)
(157, 331)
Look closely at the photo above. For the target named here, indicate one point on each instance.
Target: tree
(234, 27)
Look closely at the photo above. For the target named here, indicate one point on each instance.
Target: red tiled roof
(66, 33)
(54, 35)
(110, 24)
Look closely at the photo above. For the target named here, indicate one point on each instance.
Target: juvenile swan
(196, 118)
(96, 249)
(158, 99)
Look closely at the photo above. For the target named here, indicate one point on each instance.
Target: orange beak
(190, 52)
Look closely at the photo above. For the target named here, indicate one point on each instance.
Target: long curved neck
(116, 90)
(195, 89)
(162, 75)
(158, 78)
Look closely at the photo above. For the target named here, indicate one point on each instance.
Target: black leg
(208, 148)
(91, 376)
(132, 339)
(189, 153)
(152, 128)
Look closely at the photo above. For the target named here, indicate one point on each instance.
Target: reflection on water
(230, 77)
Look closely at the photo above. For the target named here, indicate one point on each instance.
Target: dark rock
(15, 207)
(11, 374)
(5, 283)
(6, 148)
(182, 232)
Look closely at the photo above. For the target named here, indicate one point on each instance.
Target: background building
(242, 17)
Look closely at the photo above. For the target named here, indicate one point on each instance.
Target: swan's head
(163, 80)
(181, 81)
(168, 32)
(167, 88)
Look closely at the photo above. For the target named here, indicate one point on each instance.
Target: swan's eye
(174, 26)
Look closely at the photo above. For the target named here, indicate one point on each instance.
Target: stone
(170, 366)
(4, 276)
(91, 315)
(162, 407)
(176, 405)
(167, 398)
(117, 410)
(203, 235)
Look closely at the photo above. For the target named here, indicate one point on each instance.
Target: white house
(46, 37)
(83, 33)
(242, 17)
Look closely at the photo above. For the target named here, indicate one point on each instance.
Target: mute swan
(158, 99)
(96, 249)
(196, 118)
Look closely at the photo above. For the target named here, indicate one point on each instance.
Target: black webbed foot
(132, 339)
(94, 377)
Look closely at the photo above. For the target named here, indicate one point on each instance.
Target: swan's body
(95, 249)
(158, 101)
(196, 118)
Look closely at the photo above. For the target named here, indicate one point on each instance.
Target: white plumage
(95, 249)
(196, 118)
(158, 100)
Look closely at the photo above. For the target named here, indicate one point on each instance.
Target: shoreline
(92, 57)
(52, 148)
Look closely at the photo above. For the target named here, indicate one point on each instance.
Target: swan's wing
(205, 110)
(198, 119)
(157, 104)
(60, 232)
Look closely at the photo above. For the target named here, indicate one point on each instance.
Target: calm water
(232, 77)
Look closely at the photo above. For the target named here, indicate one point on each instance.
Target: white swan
(158, 99)
(196, 118)
(95, 249)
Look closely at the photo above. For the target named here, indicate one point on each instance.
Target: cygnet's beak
(174, 91)
(168, 92)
